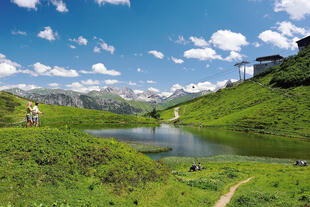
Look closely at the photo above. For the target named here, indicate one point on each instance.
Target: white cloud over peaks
(297, 9)
(102, 45)
(199, 41)
(278, 40)
(115, 2)
(90, 82)
(54, 85)
(48, 34)
(30, 4)
(228, 40)
(151, 82)
(202, 54)
(80, 40)
(155, 90)
(176, 60)
(44, 70)
(157, 54)
(176, 87)
(60, 5)
(165, 94)
(201, 86)
(76, 86)
(132, 83)
(234, 56)
(101, 69)
(110, 82)
(288, 29)
(138, 91)
(22, 86)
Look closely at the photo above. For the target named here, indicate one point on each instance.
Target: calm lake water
(197, 142)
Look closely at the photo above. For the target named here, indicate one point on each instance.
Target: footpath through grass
(276, 182)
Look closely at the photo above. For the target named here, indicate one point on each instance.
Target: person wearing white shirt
(35, 114)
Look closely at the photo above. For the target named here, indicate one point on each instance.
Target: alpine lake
(205, 142)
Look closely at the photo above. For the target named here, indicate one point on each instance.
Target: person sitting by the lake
(35, 116)
(199, 167)
(193, 168)
(301, 163)
(29, 114)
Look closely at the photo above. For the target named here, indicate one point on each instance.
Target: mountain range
(117, 100)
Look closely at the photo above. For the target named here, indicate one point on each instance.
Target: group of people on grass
(32, 115)
(195, 167)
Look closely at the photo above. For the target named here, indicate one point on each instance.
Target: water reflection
(207, 142)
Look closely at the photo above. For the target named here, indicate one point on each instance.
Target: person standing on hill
(29, 114)
(35, 114)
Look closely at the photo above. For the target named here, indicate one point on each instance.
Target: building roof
(304, 40)
(269, 58)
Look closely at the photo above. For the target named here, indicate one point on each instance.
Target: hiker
(29, 115)
(35, 114)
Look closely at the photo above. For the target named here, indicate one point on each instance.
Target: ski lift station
(303, 43)
(267, 62)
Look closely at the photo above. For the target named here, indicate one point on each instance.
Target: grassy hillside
(13, 110)
(45, 165)
(275, 102)
(51, 167)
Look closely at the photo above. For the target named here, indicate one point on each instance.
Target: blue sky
(144, 44)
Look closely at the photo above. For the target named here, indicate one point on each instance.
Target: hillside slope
(275, 102)
(13, 112)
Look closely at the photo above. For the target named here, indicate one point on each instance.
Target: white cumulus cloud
(48, 34)
(8, 67)
(234, 56)
(22, 86)
(110, 82)
(157, 54)
(288, 29)
(228, 40)
(176, 60)
(44, 70)
(202, 54)
(199, 41)
(79, 87)
(297, 9)
(102, 45)
(277, 39)
(80, 40)
(101, 69)
(151, 82)
(60, 5)
(90, 82)
(29, 4)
